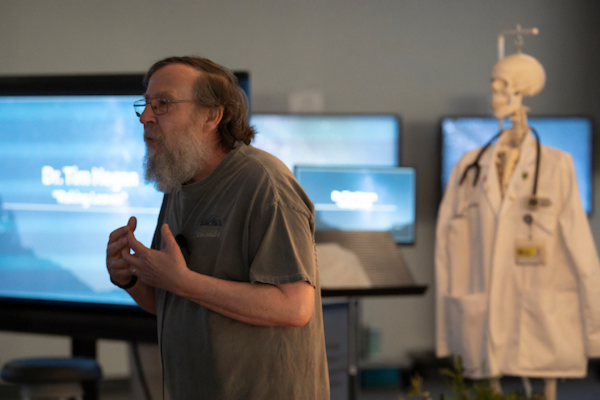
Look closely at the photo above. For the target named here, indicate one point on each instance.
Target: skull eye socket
(499, 84)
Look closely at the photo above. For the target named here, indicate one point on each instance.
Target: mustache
(151, 134)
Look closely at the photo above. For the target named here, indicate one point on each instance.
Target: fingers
(132, 224)
(117, 234)
(119, 267)
(132, 261)
(118, 239)
(120, 264)
(117, 243)
(114, 248)
(113, 253)
(135, 245)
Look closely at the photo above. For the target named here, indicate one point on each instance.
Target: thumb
(167, 235)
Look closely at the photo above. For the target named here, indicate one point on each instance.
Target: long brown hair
(217, 86)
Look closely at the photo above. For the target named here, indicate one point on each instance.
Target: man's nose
(147, 115)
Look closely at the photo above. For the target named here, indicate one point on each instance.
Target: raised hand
(119, 269)
(163, 269)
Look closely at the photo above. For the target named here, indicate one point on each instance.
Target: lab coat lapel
(488, 183)
(521, 181)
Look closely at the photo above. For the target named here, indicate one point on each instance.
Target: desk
(382, 261)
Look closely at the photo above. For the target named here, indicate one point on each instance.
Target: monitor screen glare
(362, 199)
(366, 140)
(570, 134)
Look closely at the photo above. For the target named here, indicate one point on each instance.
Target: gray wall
(420, 59)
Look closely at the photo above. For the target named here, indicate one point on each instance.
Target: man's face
(175, 143)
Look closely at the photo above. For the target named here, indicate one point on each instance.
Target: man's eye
(162, 102)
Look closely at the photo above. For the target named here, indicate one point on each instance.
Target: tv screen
(70, 172)
(572, 134)
(362, 199)
(329, 139)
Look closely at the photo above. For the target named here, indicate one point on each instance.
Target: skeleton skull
(513, 77)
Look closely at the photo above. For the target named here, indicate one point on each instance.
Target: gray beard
(177, 162)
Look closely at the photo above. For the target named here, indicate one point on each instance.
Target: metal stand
(86, 348)
(353, 347)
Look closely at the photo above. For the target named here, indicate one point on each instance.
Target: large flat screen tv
(572, 134)
(71, 159)
(362, 199)
(329, 139)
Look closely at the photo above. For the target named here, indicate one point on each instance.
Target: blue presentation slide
(570, 134)
(70, 173)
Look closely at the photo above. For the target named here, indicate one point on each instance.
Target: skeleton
(514, 77)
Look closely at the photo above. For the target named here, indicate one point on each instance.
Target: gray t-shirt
(248, 221)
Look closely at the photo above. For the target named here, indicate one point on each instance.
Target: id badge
(530, 252)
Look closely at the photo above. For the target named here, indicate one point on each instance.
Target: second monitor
(362, 199)
(329, 139)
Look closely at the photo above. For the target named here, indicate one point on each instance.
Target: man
(232, 273)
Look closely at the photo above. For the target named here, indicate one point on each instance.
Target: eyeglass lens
(159, 106)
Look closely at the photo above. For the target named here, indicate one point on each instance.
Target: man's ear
(213, 117)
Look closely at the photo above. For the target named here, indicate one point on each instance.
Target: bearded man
(232, 273)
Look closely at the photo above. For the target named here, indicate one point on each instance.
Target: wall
(420, 59)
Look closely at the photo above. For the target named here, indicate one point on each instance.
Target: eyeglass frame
(138, 103)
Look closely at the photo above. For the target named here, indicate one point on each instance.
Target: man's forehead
(172, 80)
(153, 94)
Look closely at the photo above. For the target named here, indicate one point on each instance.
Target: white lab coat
(508, 319)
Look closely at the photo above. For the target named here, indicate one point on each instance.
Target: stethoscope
(533, 201)
(475, 165)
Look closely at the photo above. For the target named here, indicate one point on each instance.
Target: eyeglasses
(159, 105)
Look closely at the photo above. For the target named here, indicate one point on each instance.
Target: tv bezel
(593, 145)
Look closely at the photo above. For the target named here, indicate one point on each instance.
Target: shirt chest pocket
(207, 232)
(203, 247)
(200, 247)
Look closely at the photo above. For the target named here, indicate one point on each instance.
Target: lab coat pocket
(465, 254)
(550, 334)
(458, 244)
(466, 322)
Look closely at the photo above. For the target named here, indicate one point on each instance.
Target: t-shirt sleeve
(284, 247)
